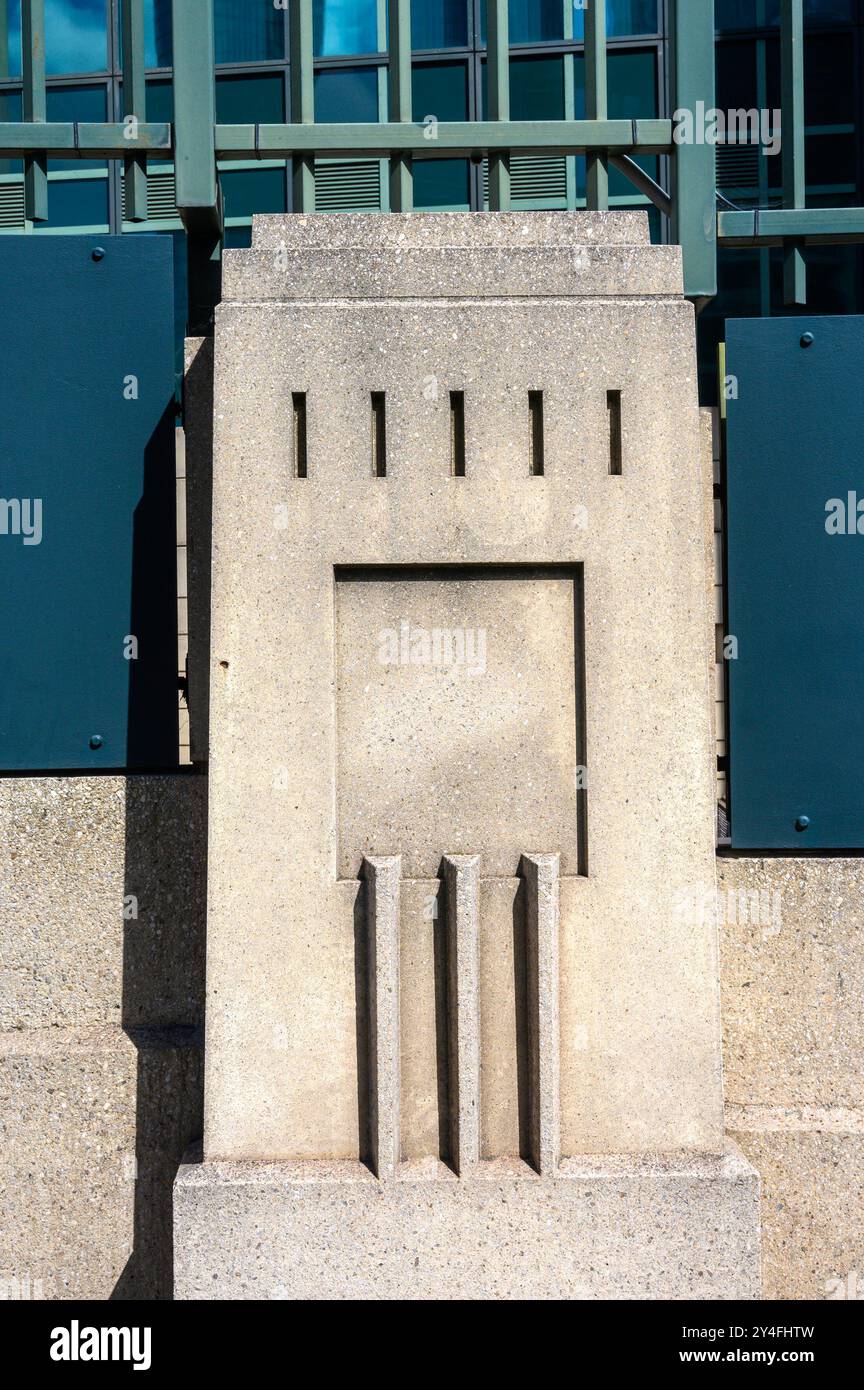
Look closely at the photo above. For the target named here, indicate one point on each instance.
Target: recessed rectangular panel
(459, 700)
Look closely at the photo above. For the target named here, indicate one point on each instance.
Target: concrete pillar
(462, 793)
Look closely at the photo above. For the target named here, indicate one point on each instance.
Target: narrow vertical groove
(537, 444)
(300, 448)
(613, 407)
(383, 879)
(541, 874)
(379, 434)
(457, 433)
(462, 884)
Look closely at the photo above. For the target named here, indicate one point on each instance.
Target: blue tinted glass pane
(253, 190)
(248, 31)
(440, 89)
(345, 26)
(346, 94)
(76, 35)
(622, 17)
(531, 21)
(10, 44)
(77, 104)
(248, 99)
(157, 33)
(441, 183)
(76, 203)
(439, 23)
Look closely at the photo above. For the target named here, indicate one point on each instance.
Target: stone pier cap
(497, 255)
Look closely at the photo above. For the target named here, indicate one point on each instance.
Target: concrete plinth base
(677, 1228)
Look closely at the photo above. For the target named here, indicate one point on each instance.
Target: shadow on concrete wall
(166, 883)
(163, 1005)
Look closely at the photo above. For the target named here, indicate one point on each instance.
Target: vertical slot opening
(300, 456)
(379, 434)
(613, 407)
(457, 433)
(535, 416)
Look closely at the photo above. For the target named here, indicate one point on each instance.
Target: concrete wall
(792, 948)
(102, 898)
(100, 1062)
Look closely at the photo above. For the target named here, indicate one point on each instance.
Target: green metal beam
(771, 226)
(134, 105)
(303, 101)
(194, 113)
(65, 139)
(694, 202)
(237, 142)
(465, 138)
(643, 182)
(196, 179)
(400, 104)
(498, 90)
(793, 146)
(596, 99)
(34, 106)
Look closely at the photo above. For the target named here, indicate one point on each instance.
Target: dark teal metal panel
(795, 590)
(101, 566)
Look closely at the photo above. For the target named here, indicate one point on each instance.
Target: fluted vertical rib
(383, 878)
(541, 874)
(462, 883)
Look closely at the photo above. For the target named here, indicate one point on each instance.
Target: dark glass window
(253, 190)
(248, 32)
(346, 94)
(765, 14)
(439, 23)
(160, 101)
(623, 17)
(345, 26)
(244, 100)
(77, 104)
(537, 89)
(76, 203)
(10, 110)
(441, 90)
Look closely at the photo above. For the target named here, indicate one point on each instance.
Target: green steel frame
(195, 141)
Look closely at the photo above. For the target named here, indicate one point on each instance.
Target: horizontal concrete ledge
(425, 230)
(291, 274)
(730, 1165)
(669, 1227)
